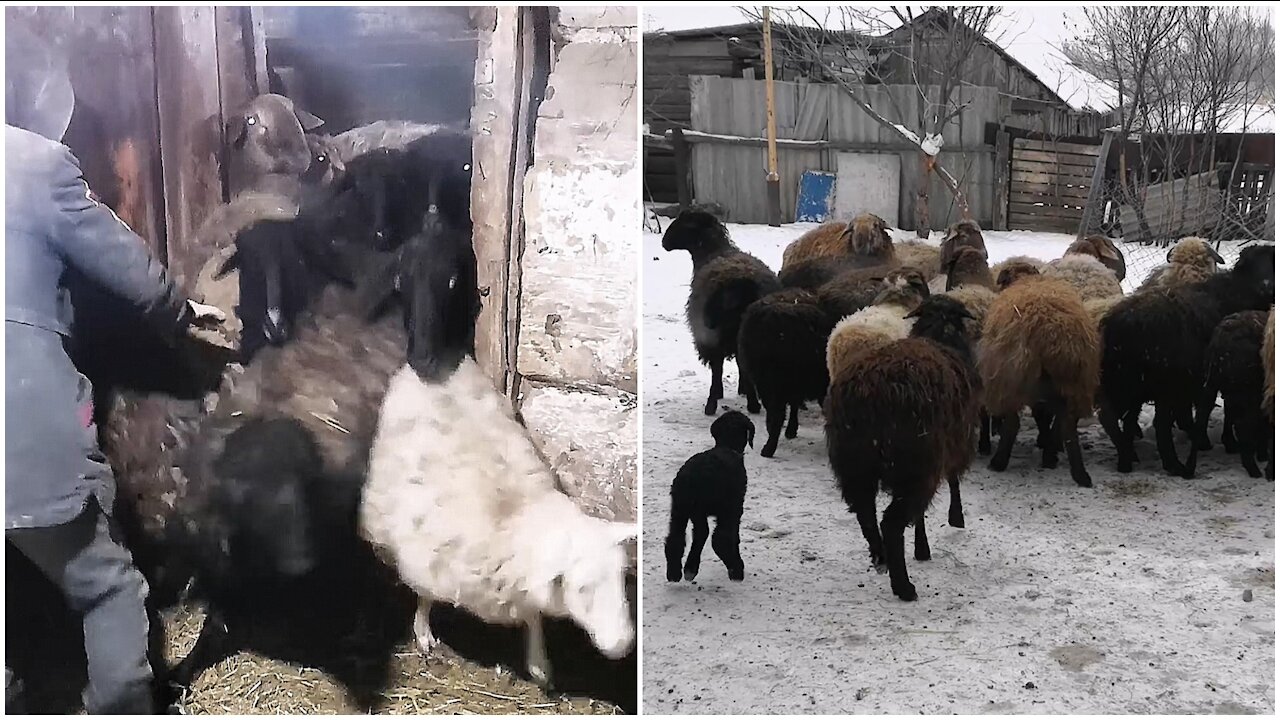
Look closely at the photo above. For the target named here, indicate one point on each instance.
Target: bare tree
(1181, 74)
(859, 48)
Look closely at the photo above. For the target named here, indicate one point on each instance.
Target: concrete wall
(577, 338)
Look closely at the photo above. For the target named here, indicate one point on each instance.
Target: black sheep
(725, 281)
(900, 420)
(712, 483)
(1233, 366)
(782, 355)
(1153, 345)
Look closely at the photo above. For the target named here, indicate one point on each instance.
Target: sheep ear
(1217, 258)
(751, 435)
(913, 314)
(306, 119)
(228, 265)
(1168, 256)
(1109, 250)
(236, 131)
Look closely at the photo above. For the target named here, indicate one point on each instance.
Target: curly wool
(919, 255)
(1038, 328)
(969, 267)
(865, 238)
(1018, 264)
(1190, 261)
(1101, 248)
(873, 327)
(965, 233)
(1086, 274)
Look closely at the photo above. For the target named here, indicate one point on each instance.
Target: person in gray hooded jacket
(59, 488)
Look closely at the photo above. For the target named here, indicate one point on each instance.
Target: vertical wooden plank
(681, 150)
(190, 128)
(1000, 193)
(493, 121)
(237, 82)
(1093, 203)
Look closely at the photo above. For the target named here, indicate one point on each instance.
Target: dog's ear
(308, 121)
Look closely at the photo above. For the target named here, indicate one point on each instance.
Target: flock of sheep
(913, 350)
(346, 446)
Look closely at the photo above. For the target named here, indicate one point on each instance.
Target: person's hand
(205, 316)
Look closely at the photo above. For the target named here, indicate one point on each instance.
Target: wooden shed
(547, 93)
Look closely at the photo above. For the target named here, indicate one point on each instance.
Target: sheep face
(965, 233)
(1196, 252)
(268, 135)
(593, 588)
(1100, 247)
(325, 165)
(1013, 272)
(275, 283)
(691, 229)
(868, 235)
(1256, 270)
(443, 160)
(434, 274)
(734, 430)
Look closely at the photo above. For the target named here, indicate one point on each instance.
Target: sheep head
(587, 560)
(734, 430)
(1255, 270)
(968, 266)
(434, 274)
(941, 318)
(268, 135)
(325, 165)
(965, 233)
(869, 236)
(1013, 272)
(694, 230)
(1195, 252)
(1103, 249)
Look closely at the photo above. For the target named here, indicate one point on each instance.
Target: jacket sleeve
(90, 237)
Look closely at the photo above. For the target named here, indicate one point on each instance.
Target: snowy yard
(1144, 594)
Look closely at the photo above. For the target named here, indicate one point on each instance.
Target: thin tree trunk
(923, 226)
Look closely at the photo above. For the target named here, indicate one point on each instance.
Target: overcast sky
(1030, 33)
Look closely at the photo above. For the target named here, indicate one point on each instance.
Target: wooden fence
(1049, 184)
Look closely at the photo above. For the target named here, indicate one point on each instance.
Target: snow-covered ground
(1144, 594)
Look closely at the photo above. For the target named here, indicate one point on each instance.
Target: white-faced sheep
(780, 356)
(1190, 260)
(458, 500)
(1234, 367)
(268, 146)
(1040, 346)
(1153, 346)
(1086, 274)
(1103, 250)
(712, 483)
(864, 239)
(725, 282)
(902, 419)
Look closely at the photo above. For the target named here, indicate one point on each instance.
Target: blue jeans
(95, 572)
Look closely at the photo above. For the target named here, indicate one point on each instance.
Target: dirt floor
(376, 669)
(1143, 594)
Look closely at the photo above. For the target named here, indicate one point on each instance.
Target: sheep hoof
(906, 592)
(1254, 472)
(1049, 462)
(753, 408)
(984, 448)
(768, 450)
(737, 574)
(1083, 480)
(710, 409)
(540, 675)
(998, 464)
(880, 566)
(955, 519)
(673, 574)
(1176, 469)
(689, 575)
(791, 434)
(923, 554)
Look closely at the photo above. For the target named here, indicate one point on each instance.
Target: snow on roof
(1254, 119)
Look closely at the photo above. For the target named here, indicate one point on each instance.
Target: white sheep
(459, 502)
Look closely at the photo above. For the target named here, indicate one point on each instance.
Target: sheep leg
(536, 660)
(1008, 434)
(984, 432)
(1164, 440)
(793, 422)
(753, 400)
(865, 508)
(1246, 435)
(212, 645)
(675, 544)
(427, 641)
(717, 385)
(1187, 421)
(1043, 416)
(892, 527)
(775, 413)
(1121, 439)
(955, 514)
(724, 541)
(1069, 437)
(922, 541)
(1229, 443)
(1052, 432)
(700, 533)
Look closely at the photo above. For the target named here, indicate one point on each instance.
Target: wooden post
(680, 149)
(774, 184)
(1000, 196)
(1095, 187)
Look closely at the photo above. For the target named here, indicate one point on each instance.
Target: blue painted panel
(816, 198)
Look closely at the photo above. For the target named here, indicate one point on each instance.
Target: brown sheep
(1086, 274)
(1101, 248)
(1190, 261)
(968, 266)
(965, 233)
(1039, 345)
(919, 255)
(865, 237)
(969, 282)
(1018, 261)
(882, 322)
(1011, 272)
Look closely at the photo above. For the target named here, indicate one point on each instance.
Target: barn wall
(577, 338)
